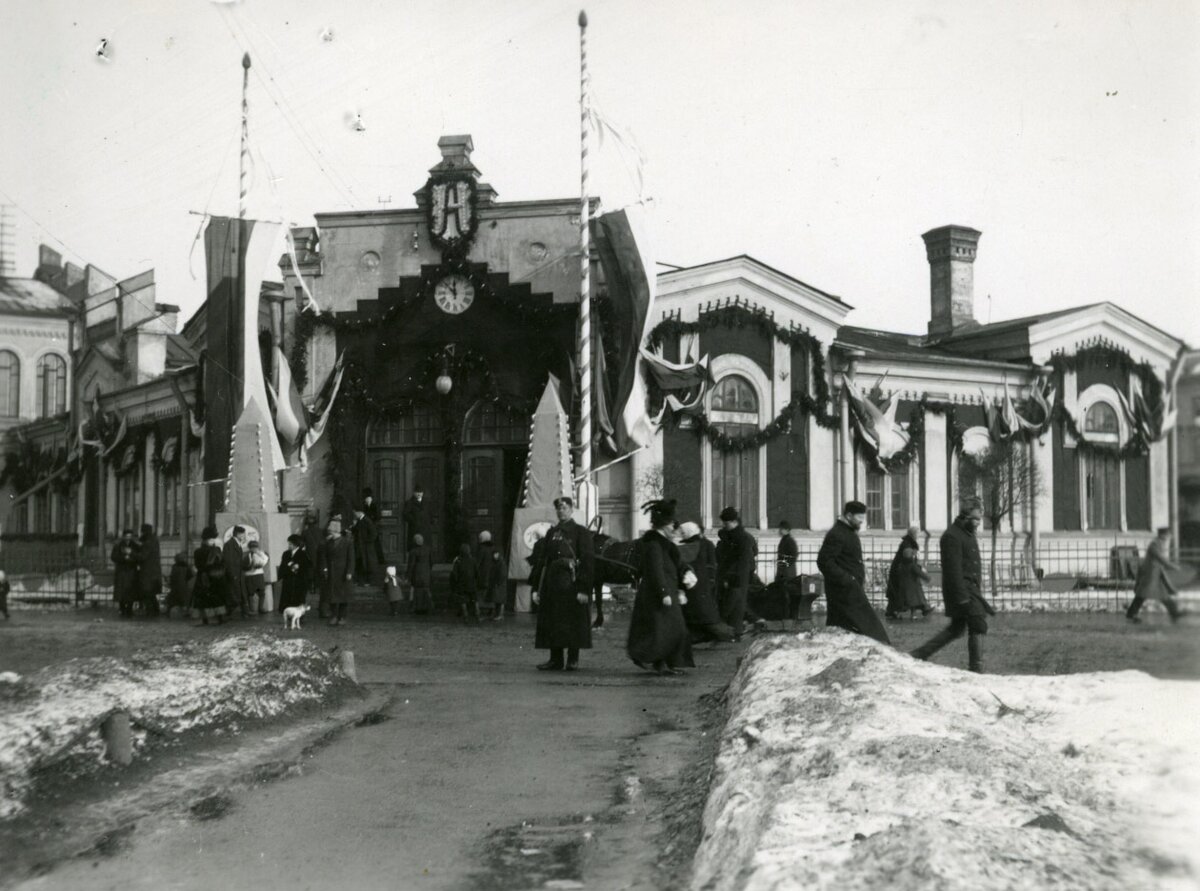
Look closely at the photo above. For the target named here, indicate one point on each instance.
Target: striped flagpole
(245, 136)
(585, 308)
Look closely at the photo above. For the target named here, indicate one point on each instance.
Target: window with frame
(1101, 424)
(735, 475)
(43, 520)
(10, 384)
(422, 426)
(887, 499)
(170, 487)
(1102, 489)
(129, 500)
(52, 385)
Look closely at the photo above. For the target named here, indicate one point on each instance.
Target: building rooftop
(30, 297)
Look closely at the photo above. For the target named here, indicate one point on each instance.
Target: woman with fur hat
(701, 613)
(658, 635)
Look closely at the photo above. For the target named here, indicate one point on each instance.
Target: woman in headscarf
(658, 635)
(701, 613)
(211, 589)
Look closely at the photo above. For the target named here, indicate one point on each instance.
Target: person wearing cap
(786, 553)
(840, 562)
(658, 636)
(562, 586)
(1152, 582)
(962, 573)
(700, 613)
(491, 574)
(209, 594)
(366, 541)
(232, 554)
(736, 550)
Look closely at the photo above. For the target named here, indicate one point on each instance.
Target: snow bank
(845, 764)
(51, 717)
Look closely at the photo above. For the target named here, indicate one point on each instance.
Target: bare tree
(1006, 479)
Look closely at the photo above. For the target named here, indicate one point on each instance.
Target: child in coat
(462, 584)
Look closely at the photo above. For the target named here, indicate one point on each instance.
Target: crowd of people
(689, 590)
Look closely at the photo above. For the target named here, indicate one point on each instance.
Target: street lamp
(444, 382)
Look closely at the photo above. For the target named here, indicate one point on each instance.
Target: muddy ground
(483, 773)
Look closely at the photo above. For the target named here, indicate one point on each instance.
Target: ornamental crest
(452, 217)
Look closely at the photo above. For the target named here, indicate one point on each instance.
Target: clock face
(454, 294)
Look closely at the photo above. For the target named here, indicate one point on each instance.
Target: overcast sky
(820, 137)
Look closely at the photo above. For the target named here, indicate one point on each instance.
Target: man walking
(1152, 581)
(840, 562)
(736, 549)
(961, 574)
(562, 585)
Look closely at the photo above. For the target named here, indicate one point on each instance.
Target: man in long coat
(150, 571)
(366, 540)
(904, 589)
(1152, 581)
(562, 584)
(787, 553)
(736, 549)
(962, 570)
(416, 516)
(840, 562)
(658, 634)
(338, 566)
(232, 554)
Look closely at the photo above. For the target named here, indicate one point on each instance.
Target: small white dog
(291, 616)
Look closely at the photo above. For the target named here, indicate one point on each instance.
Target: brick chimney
(951, 253)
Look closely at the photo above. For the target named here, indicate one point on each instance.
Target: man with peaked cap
(840, 562)
(562, 585)
(736, 549)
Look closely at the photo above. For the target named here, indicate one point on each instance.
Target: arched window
(52, 385)
(1101, 419)
(10, 384)
(490, 424)
(734, 412)
(421, 427)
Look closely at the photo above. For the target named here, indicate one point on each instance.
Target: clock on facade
(454, 294)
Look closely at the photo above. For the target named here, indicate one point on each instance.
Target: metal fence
(1069, 575)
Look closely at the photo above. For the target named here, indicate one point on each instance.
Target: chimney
(951, 253)
(456, 156)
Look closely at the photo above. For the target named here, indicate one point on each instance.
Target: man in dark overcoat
(1153, 583)
(962, 570)
(787, 553)
(366, 539)
(150, 571)
(736, 550)
(416, 516)
(370, 507)
(840, 562)
(232, 554)
(904, 589)
(338, 567)
(562, 583)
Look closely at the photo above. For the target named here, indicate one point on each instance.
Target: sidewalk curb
(99, 827)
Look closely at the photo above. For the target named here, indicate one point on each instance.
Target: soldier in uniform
(562, 587)
(961, 574)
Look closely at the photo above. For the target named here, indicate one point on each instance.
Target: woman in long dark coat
(658, 634)
(904, 588)
(420, 576)
(463, 585)
(150, 575)
(211, 590)
(126, 558)
(701, 612)
(295, 570)
(491, 574)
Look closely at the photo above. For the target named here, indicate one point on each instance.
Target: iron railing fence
(1069, 575)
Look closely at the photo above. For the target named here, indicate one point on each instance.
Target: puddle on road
(535, 855)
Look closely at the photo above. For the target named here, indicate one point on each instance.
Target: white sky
(822, 138)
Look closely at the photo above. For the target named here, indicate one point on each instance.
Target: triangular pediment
(1103, 324)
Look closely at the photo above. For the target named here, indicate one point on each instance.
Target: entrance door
(394, 474)
(1102, 481)
(483, 493)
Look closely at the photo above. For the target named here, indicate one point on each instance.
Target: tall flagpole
(585, 309)
(245, 137)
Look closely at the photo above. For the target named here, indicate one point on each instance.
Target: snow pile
(845, 764)
(53, 716)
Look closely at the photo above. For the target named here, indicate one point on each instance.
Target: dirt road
(481, 773)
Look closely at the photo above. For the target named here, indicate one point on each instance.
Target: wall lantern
(444, 382)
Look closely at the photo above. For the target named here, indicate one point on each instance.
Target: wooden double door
(491, 486)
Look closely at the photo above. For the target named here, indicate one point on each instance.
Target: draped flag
(877, 427)
(629, 274)
(238, 252)
(290, 418)
(690, 379)
(322, 409)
